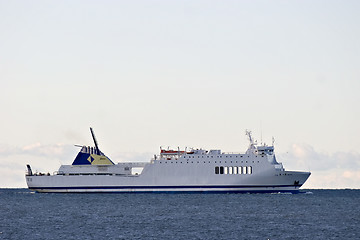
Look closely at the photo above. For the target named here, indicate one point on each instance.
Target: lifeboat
(171, 152)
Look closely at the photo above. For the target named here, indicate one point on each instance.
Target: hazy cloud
(335, 170)
(44, 158)
(37, 149)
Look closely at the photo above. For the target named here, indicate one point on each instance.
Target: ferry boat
(196, 170)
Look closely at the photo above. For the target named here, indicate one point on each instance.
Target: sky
(146, 74)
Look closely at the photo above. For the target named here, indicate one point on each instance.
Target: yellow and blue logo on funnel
(85, 157)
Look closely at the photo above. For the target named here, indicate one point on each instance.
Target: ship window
(226, 170)
(235, 170)
(217, 170)
(244, 170)
(249, 170)
(221, 170)
(230, 170)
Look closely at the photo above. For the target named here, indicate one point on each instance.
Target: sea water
(313, 214)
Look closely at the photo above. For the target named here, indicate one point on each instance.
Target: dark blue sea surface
(314, 214)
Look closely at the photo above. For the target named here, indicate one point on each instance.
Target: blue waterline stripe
(166, 187)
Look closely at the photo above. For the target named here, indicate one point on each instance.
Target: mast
(252, 143)
(96, 144)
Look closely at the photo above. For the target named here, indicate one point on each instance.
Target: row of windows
(233, 170)
(217, 156)
(177, 161)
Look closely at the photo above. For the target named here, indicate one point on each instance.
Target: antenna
(96, 144)
(248, 133)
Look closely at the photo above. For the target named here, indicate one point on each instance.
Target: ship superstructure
(196, 170)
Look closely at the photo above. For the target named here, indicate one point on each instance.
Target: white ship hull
(172, 171)
(152, 181)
